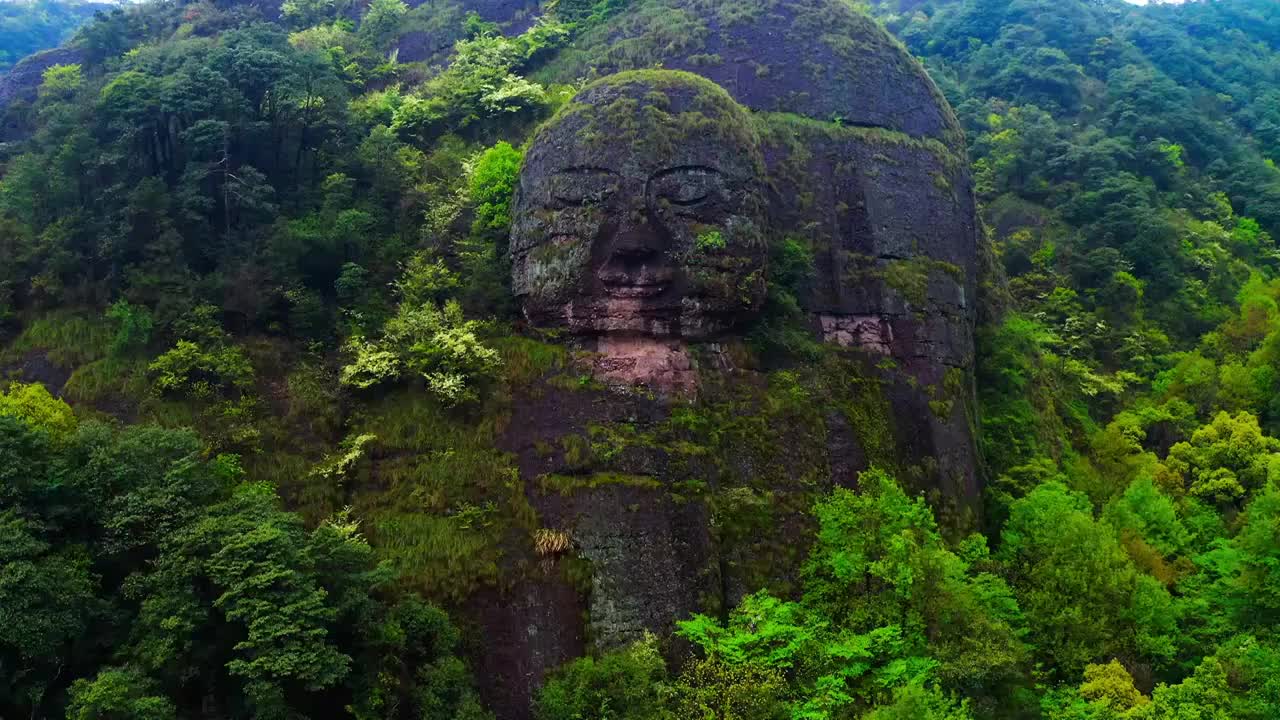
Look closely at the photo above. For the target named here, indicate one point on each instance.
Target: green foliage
(886, 606)
(118, 693)
(916, 702)
(482, 85)
(711, 240)
(203, 364)
(212, 583)
(492, 183)
(426, 280)
(629, 684)
(435, 344)
(33, 404)
(245, 559)
(61, 81)
(189, 369)
(308, 13)
(782, 327)
(133, 327)
(1151, 515)
(714, 688)
(380, 22)
(1225, 458)
(415, 672)
(1107, 692)
(1257, 584)
(879, 561)
(1082, 597)
(45, 603)
(371, 364)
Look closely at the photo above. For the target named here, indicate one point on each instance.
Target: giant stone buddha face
(639, 212)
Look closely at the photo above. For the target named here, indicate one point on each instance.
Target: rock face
(433, 43)
(654, 216)
(816, 58)
(864, 167)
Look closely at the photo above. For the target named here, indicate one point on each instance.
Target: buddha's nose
(637, 238)
(635, 266)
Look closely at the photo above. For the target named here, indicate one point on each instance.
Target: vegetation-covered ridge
(29, 26)
(287, 229)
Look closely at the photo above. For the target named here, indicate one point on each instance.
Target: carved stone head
(639, 211)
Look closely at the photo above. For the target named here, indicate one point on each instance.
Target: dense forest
(249, 253)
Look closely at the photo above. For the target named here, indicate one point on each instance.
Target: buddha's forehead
(643, 129)
(641, 164)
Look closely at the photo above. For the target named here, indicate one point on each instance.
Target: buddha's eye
(687, 186)
(582, 186)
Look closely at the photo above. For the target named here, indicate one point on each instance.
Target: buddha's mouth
(638, 281)
(633, 289)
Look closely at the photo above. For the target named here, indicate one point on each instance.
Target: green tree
(46, 605)
(917, 702)
(1258, 544)
(879, 561)
(1082, 597)
(492, 183)
(1203, 696)
(133, 326)
(713, 688)
(1225, 459)
(60, 82)
(237, 589)
(626, 684)
(33, 404)
(118, 693)
(381, 21)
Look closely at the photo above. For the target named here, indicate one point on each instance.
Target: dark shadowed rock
(853, 156)
(865, 167)
(817, 58)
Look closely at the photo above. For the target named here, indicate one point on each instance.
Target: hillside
(642, 359)
(28, 27)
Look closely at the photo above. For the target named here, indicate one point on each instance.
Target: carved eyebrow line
(684, 168)
(584, 169)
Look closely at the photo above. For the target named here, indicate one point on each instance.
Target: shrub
(33, 404)
(60, 82)
(627, 684)
(493, 182)
(371, 364)
(426, 279)
(203, 363)
(119, 692)
(133, 325)
(201, 372)
(435, 343)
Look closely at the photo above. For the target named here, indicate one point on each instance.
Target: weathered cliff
(678, 478)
